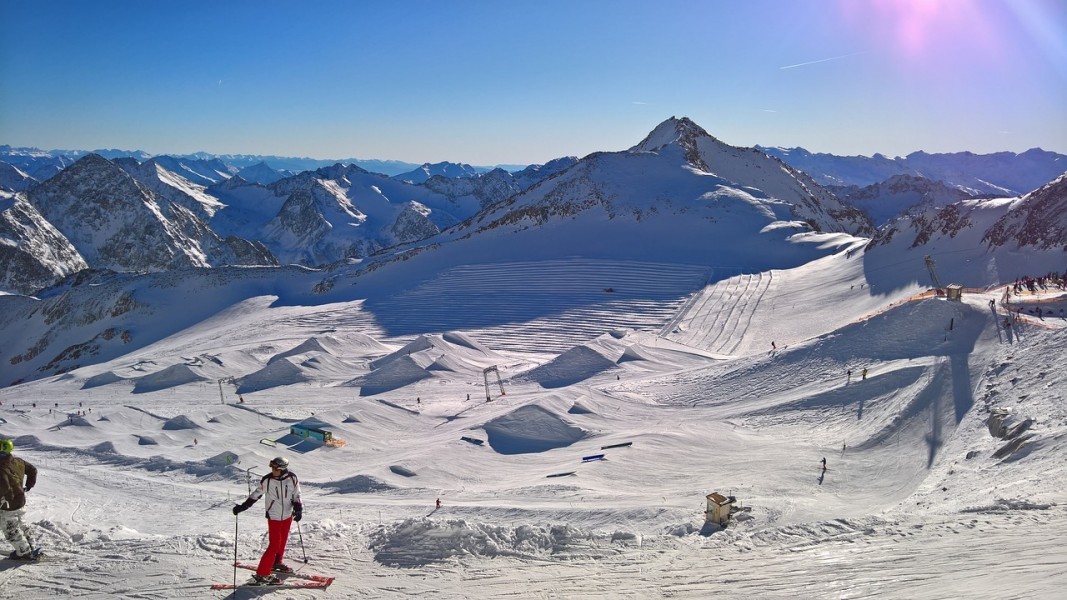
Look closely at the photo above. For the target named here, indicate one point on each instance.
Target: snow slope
(920, 500)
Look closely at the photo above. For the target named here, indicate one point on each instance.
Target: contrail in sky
(815, 62)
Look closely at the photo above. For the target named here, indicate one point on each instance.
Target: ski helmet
(280, 462)
(7, 446)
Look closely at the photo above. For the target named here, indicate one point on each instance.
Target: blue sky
(488, 82)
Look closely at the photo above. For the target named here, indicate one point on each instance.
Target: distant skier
(864, 374)
(824, 463)
(773, 347)
(13, 470)
(282, 489)
(438, 503)
(848, 375)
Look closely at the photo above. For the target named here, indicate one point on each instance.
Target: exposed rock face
(116, 222)
(441, 169)
(1039, 220)
(903, 193)
(14, 179)
(489, 188)
(412, 224)
(33, 254)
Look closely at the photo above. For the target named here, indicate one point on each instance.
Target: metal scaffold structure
(485, 376)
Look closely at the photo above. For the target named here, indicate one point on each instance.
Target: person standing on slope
(281, 488)
(13, 470)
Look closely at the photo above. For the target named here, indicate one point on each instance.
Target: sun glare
(915, 29)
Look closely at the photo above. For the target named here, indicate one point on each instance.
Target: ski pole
(236, 522)
(301, 534)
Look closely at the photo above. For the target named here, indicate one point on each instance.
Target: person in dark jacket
(16, 478)
(281, 488)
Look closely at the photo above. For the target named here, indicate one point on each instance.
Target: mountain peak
(682, 131)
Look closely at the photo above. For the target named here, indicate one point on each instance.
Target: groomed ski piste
(141, 458)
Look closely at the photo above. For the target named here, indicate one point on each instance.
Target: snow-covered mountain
(678, 319)
(203, 172)
(680, 192)
(171, 187)
(115, 222)
(902, 193)
(979, 241)
(13, 179)
(999, 173)
(149, 402)
(335, 213)
(535, 173)
(33, 253)
(443, 169)
(261, 173)
(1038, 221)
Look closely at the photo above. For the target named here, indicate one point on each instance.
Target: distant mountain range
(678, 193)
(101, 242)
(997, 174)
(41, 164)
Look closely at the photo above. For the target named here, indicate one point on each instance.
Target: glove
(298, 512)
(240, 508)
(27, 488)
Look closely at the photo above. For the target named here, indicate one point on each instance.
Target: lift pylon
(485, 376)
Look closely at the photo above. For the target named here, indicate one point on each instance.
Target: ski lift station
(954, 291)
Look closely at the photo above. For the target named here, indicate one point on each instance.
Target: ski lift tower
(933, 272)
(485, 376)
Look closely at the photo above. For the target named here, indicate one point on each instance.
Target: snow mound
(225, 419)
(277, 373)
(105, 378)
(460, 339)
(315, 423)
(105, 448)
(421, 541)
(578, 409)
(144, 440)
(574, 365)
(452, 350)
(362, 344)
(358, 484)
(309, 345)
(632, 353)
(447, 363)
(392, 375)
(180, 422)
(350, 419)
(76, 421)
(530, 429)
(223, 459)
(172, 376)
(406, 472)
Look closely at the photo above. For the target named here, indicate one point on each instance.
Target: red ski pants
(277, 537)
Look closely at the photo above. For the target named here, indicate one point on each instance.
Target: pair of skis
(308, 581)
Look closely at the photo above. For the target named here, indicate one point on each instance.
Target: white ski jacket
(280, 493)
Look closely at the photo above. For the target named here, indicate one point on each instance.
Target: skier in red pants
(282, 491)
